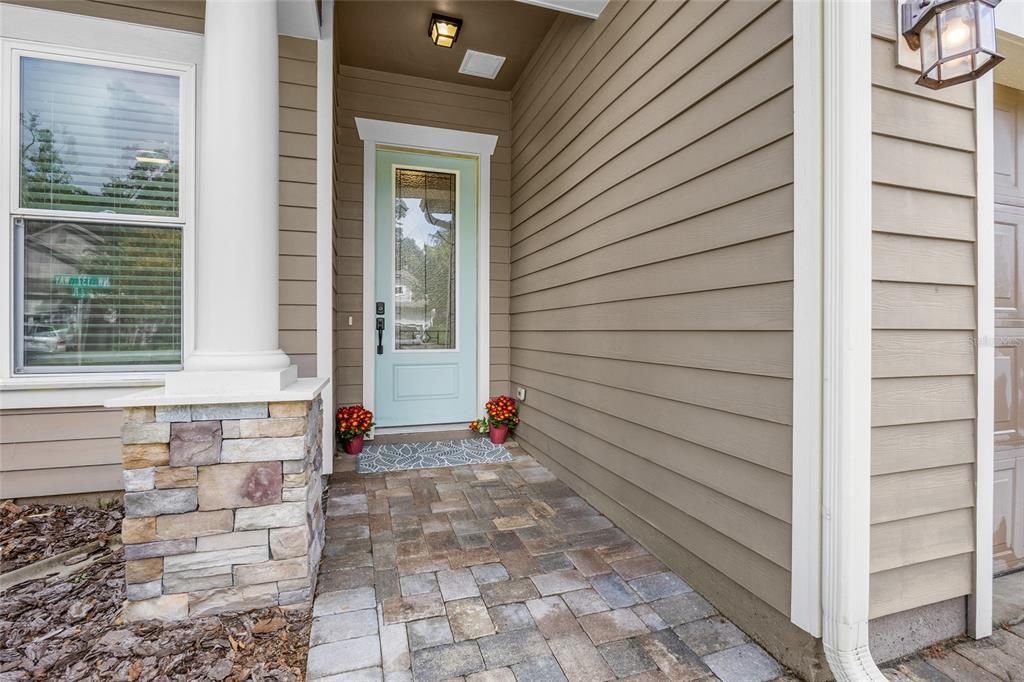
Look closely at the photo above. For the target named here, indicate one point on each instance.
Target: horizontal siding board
(905, 163)
(923, 538)
(920, 493)
(897, 305)
(752, 352)
(912, 400)
(749, 395)
(34, 427)
(916, 353)
(909, 447)
(900, 258)
(920, 584)
(64, 481)
(758, 441)
(924, 214)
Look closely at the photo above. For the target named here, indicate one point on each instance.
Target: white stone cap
(299, 390)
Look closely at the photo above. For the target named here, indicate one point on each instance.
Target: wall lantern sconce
(444, 31)
(956, 39)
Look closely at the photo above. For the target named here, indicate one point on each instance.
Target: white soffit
(298, 18)
(590, 9)
(481, 64)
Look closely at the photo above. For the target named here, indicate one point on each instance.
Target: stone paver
(500, 573)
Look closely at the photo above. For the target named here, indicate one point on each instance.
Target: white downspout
(846, 418)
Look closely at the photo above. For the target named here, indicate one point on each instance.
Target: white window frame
(67, 36)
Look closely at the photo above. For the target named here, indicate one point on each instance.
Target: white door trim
(979, 613)
(373, 133)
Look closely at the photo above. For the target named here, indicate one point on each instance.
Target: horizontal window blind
(99, 295)
(98, 138)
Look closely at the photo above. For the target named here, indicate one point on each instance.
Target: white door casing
(376, 133)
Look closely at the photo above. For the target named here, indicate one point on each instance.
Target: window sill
(77, 390)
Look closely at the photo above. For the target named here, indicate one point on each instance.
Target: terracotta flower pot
(499, 434)
(353, 446)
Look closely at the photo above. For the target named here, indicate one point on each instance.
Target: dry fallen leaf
(269, 625)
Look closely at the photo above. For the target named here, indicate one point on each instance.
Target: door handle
(380, 336)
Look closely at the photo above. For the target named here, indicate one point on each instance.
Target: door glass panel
(424, 224)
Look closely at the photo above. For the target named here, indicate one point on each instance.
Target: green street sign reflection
(82, 285)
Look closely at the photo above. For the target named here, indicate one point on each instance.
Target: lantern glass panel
(957, 27)
(929, 45)
(986, 27)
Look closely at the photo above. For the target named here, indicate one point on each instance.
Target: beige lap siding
(651, 292)
(405, 99)
(923, 364)
(56, 465)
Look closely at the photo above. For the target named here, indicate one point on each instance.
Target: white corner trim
(808, 167)
(591, 9)
(325, 224)
(846, 399)
(979, 615)
(372, 133)
(299, 18)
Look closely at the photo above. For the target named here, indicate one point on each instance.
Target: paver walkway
(500, 572)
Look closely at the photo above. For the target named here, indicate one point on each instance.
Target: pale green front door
(425, 274)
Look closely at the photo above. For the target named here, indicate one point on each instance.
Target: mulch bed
(29, 533)
(73, 629)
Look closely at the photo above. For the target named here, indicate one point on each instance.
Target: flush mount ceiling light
(444, 31)
(956, 39)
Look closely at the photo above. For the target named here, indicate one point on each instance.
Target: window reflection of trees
(70, 162)
(425, 254)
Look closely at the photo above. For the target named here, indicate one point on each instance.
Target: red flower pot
(353, 446)
(499, 434)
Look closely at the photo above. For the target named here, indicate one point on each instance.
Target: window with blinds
(98, 228)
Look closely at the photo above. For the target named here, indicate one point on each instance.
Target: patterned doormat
(442, 453)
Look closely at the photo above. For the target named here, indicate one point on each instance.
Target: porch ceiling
(392, 36)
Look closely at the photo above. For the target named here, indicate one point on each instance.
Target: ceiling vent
(481, 64)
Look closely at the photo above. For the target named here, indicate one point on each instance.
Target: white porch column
(237, 228)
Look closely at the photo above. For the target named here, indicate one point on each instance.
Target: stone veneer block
(135, 531)
(230, 411)
(173, 413)
(137, 591)
(271, 516)
(231, 428)
(157, 502)
(271, 571)
(245, 538)
(136, 480)
(211, 602)
(224, 557)
(272, 428)
(166, 607)
(193, 581)
(164, 548)
(143, 570)
(232, 486)
(195, 443)
(289, 542)
(138, 415)
(133, 433)
(145, 455)
(263, 449)
(194, 524)
(289, 409)
(175, 477)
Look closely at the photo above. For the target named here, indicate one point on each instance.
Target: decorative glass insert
(425, 276)
(98, 139)
(97, 296)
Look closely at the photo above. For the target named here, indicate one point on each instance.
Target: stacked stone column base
(222, 507)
